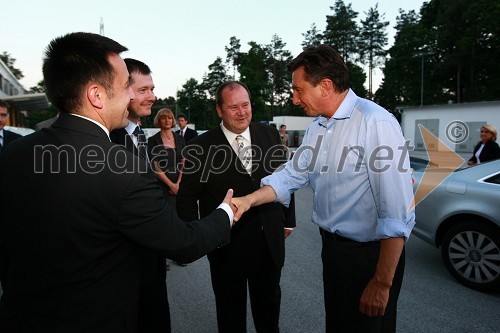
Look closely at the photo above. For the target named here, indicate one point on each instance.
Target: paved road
(430, 301)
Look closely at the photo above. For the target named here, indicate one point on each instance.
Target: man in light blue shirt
(355, 159)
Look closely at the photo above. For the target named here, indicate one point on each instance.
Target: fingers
(239, 204)
(228, 197)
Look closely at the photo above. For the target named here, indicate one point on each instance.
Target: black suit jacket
(120, 136)
(212, 167)
(9, 137)
(70, 231)
(491, 151)
(189, 135)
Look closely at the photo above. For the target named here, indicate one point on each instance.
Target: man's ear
(95, 95)
(219, 111)
(326, 86)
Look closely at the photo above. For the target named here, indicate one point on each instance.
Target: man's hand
(228, 198)
(240, 205)
(374, 299)
(288, 232)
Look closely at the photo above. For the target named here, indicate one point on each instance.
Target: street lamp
(422, 54)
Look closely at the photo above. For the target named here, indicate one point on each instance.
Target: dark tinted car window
(495, 179)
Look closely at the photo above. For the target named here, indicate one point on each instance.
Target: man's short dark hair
(74, 60)
(182, 115)
(4, 104)
(320, 62)
(136, 66)
(231, 85)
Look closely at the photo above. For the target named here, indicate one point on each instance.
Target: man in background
(238, 154)
(184, 131)
(6, 137)
(154, 310)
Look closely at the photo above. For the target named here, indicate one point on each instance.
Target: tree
(232, 54)
(192, 101)
(342, 32)
(280, 79)
(215, 77)
(312, 37)
(467, 37)
(372, 42)
(254, 73)
(9, 62)
(39, 88)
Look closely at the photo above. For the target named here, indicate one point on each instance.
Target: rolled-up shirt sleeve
(390, 180)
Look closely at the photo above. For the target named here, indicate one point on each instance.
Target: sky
(177, 39)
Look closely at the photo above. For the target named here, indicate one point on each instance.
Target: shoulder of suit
(12, 135)
(264, 128)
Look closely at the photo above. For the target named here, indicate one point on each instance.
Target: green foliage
(9, 62)
(341, 31)
(39, 88)
(312, 37)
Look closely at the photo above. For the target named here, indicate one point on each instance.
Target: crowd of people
(107, 205)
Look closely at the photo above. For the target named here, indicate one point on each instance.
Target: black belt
(335, 237)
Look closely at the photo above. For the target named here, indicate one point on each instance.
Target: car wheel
(471, 253)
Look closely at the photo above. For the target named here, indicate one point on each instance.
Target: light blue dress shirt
(358, 167)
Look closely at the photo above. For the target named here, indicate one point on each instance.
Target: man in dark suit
(79, 211)
(154, 309)
(141, 82)
(6, 137)
(238, 154)
(184, 131)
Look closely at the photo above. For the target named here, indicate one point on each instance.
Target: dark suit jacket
(212, 167)
(71, 228)
(8, 137)
(45, 123)
(121, 137)
(189, 135)
(491, 151)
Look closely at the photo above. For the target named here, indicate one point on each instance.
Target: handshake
(240, 205)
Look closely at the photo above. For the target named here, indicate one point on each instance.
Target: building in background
(21, 102)
(456, 125)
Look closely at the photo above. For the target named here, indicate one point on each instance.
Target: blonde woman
(165, 149)
(487, 149)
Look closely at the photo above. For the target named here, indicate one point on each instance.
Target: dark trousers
(348, 266)
(154, 310)
(230, 290)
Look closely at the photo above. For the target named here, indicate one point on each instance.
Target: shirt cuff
(282, 195)
(229, 212)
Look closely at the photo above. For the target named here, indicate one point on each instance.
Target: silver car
(462, 216)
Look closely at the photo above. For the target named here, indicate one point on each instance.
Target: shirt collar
(131, 127)
(230, 136)
(93, 121)
(346, 107)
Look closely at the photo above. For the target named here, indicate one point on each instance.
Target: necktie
(244, 153)
(182, 133)
(141, 143)
(1, 144)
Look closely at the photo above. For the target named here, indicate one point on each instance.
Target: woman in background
(164, 150)
(487, 149)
